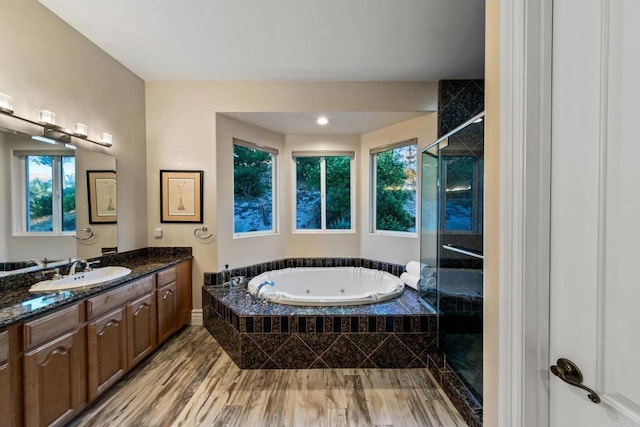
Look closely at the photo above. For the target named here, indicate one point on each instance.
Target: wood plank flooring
(192, 382)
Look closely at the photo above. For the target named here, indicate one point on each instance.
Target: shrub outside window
(394, 187)
(323, 191)
(254, 186)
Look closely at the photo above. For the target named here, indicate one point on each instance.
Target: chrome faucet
(87, 266)
(254, 296)
(74, 266)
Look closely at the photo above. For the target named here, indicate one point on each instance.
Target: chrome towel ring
(199, 233)
(89, 234)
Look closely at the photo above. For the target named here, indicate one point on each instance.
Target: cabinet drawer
(144, 286)
(4, 346)
(50, 326)
(166, 276)
(103, 303)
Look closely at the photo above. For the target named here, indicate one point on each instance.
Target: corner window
(254, 177)
(323, 191)
(47, 191)
(394, 187)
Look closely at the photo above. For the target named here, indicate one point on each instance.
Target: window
(253, 188)
(48, 193)
(394, 187)
(323, 191)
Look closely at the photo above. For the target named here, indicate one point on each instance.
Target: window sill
(255, 234)
(325, 232)
(395, 234)
(43, 234)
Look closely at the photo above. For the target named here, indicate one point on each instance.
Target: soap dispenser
(226, 275)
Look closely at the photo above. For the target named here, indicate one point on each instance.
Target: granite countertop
(409, 303)
(18, 304)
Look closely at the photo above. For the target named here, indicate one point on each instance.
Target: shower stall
(451, 246)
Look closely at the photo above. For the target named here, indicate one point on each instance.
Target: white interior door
(595, 210)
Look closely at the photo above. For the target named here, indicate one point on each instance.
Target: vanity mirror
(45, 205)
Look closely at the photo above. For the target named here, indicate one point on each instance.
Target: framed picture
(181, 196)
(101, 188)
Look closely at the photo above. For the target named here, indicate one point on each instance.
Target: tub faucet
(254, 296)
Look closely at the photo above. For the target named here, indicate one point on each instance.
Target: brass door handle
(568, 372)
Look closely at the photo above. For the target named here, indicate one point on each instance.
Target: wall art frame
(181, 196)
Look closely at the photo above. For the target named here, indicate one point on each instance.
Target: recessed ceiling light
(322, 121)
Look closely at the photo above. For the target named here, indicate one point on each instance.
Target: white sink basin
(94, 277)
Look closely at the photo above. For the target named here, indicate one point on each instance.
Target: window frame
(274, 152)
(20, 190)
(323, 154)
(373, 152)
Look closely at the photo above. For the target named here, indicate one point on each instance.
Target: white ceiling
(286, 40)
(289, 40)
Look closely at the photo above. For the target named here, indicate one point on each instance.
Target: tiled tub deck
(399, 333)
(395, 334)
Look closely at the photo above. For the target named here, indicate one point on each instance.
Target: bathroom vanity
(59, 353)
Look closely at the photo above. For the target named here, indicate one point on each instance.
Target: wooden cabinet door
(55, 381)
(6, 402)
(107, 351)
(183, 286)
(167, 311)
(5, 395)
(141, 328)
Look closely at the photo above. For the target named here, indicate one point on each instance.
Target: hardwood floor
(192, 382)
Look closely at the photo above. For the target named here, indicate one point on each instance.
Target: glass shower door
(451, 246)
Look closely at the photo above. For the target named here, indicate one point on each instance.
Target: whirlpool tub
(320, 286)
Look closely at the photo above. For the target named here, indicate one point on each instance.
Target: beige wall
(182, 134)
(491, 213)
(49, 65)
(241, 251)
(309, 244)
(397, 249)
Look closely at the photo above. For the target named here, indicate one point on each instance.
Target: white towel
(414, 268)
(421, 270)
(410, 280)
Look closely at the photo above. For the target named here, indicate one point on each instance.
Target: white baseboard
(196, 317)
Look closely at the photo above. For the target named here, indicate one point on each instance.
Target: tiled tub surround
(399, 333)
(395, 334)
(17, 303)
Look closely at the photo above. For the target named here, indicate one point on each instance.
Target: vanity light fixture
(6, 103)
(80, 130)
(47, 117)
(322, 121)
(52, 133)
(105, 139)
